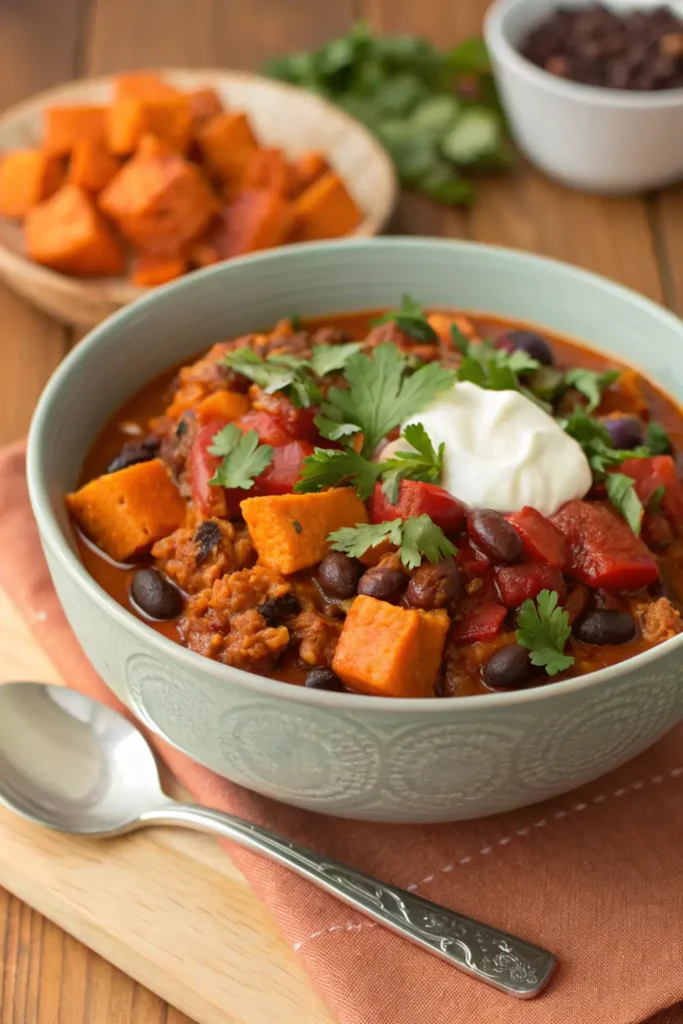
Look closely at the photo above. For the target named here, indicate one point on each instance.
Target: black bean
(323, 679)
(606, 626)
(155, 595)
(382, 582)
(508, 668)
(134, 452)
(494, 535)
(434, 586)
(276, 609)
(207, 537)
(339, 574)
(625, 431)
(533, 344)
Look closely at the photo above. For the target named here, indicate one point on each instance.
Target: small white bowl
(600, 140)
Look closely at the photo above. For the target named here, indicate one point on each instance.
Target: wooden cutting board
(167, 907)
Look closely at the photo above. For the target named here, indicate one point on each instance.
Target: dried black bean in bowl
(638, 50)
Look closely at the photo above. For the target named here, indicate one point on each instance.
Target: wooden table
(45, 976)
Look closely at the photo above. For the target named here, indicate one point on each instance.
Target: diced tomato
(298, 423)
(603, 549)
(209, 501)
(478, 622)
(269, 428)
(284, 470)
(471, 560)
(516, 583)
(415, 499)
(649, 474)
(541, 541)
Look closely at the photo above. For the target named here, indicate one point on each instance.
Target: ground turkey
(224, 622)
(196, 558)
(658, 620)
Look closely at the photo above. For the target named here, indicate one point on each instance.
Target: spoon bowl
(72, 764)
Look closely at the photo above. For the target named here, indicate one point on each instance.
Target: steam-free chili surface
(461, 669)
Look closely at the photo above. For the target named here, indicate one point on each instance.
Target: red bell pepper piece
(516, 583)
(477, 622)
(649, 474)
(269, 428)
(603, 550)
(284, 471)
(541, 541)
(471, 560)
(209, 501)
(415, 499)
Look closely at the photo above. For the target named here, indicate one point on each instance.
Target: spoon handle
(502, 960)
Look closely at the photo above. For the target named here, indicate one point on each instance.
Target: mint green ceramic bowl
(355, 756)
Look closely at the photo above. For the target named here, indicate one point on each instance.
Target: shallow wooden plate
(282, 116)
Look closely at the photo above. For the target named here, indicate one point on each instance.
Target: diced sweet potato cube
(290, 531)
(130, 119)
(227, 144)
(204, 104)
(325, 210)
(389, 651)
(91, 167)
(268, 169)
(160, 202)
(306, 169)
(64, 126)
(151, 271)
(143, 85)
(223, 405)
(66, 232)
(27, 176)
(256, 220)
(124, 513)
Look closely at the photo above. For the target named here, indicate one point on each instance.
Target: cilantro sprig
(621, 491)
(244, 458)
(415, 538)
(596, 442)
(412, 320)
(591, 384)
(657, 439)
(297, 378)
(421, 462)
(381, 394)
(544, 629)
(494, 368)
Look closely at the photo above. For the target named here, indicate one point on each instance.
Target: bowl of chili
(272, 556)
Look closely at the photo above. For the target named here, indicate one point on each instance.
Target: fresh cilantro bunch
(544, 629)
(412, 320)
(330, 467)
(590, 384)
(415, 538)
(407, 92)
(244, 458)
(493, 368)
(381, 394)
(297, 378)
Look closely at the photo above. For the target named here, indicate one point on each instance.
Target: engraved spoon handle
(502, 960)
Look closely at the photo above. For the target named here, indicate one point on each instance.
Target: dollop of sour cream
(502, 451)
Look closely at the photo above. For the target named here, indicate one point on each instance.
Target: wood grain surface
(47, 977)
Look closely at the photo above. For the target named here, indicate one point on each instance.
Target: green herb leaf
(416, 537)
(332, 358)
(654, 503)
(544, 629)
(411, 319)
(379, 395)
(330, 467)
(621, 492)
(591, 384)
(476, 137)
(657, 439)
(243, 457)
(470, 57)
(596, 442)
(490, 367)
(421, 463)
(296, 322)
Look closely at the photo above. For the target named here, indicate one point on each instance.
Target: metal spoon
(76, 766)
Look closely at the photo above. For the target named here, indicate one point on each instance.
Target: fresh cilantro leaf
(411, 319)
(654, 503)
(657, 439)
(415, 537)
(379, 395)
(621, 492)
(460, 341)
(335, 431)
(423, 462)
(331, 358)
(596, 442)
(591, 384)
(296, 322)
(270, 374)
(243, 457)
(544, 629)
(493, 368)
(330, 467)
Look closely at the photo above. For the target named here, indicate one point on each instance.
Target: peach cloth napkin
(596, 875)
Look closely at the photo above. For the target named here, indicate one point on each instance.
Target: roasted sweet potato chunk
(67, 233)
(130, 119)
(204, 104)
(256, 220)
(326, 210)
(65, 126)
(227, 143)
(27, 176)
(151, 271)
(91, 166)
(143, 85)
